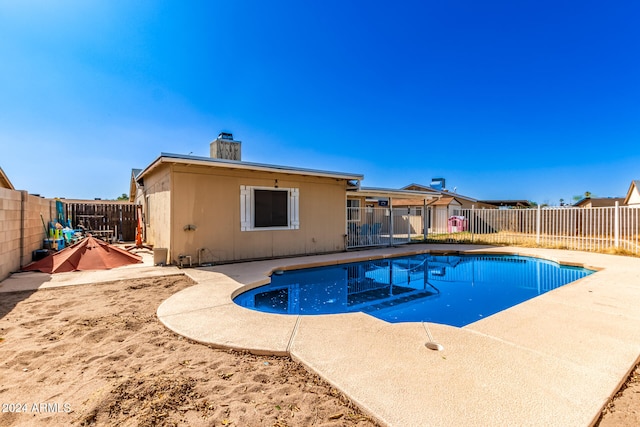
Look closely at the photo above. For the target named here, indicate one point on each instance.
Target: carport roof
(392, 192)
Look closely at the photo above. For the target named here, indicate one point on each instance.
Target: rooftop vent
(226, 135)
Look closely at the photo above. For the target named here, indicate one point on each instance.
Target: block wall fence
(21, 227)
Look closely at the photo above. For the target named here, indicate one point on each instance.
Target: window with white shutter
(269, 208)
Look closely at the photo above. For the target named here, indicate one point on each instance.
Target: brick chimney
(225, 147)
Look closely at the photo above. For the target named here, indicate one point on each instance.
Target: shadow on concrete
(9, 300)
(18, 287)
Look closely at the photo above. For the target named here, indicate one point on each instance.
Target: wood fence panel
(105, 219)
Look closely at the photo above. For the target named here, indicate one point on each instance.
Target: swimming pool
(450, 289)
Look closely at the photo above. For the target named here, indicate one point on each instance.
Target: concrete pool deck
(554, 360)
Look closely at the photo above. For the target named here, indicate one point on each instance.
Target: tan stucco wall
(156, 206)
(21, 229)
(209, 199)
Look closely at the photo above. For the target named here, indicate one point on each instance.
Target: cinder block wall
(21, 230)
(10, 226)
(33, 230)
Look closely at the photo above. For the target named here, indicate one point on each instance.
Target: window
(271, 208)
(353, 210)
(264, 208)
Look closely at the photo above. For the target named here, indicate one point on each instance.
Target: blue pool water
(453, 290)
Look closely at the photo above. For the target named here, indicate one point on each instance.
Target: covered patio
(386, 217)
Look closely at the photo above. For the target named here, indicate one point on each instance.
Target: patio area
(554, 360)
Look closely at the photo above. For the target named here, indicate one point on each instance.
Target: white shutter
(294, 216)
(245, 208)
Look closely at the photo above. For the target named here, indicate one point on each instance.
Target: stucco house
(464, 202)
(135, 190)
(446, 205)
(598, 202)
(633, 194)
(220, 208)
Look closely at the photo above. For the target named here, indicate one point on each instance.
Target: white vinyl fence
(590, 229)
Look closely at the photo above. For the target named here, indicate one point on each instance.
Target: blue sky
(536, 100)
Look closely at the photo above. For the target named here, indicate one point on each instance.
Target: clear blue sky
(536, 100)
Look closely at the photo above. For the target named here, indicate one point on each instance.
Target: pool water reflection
(453, 290)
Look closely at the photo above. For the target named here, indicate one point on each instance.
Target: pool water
(452, 290)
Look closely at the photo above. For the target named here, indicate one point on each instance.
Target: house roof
(4, 181)
(422, 187)
(511, 203)
(634, 184)
(169, 158)
(459, 196)
(444, 201)
(427, 188)
(132, 184)
(599, 202)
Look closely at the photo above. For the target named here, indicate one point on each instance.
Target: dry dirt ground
(97, 355)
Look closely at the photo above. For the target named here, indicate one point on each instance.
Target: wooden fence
(110, 220)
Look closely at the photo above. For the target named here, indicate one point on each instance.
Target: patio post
(424, 220)
(391, 221)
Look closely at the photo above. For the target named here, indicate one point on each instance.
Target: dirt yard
(97, 355)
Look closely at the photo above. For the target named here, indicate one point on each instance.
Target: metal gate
(375, 226)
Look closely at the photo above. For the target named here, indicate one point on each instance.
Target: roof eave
(233, 164)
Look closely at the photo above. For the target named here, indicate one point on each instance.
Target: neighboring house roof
(509, 203)
(634, 187)
(238, 164)
(599, 202)
(420, 187)
(444, 201)
(4, 181)
(133, 186)
(459, 196)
